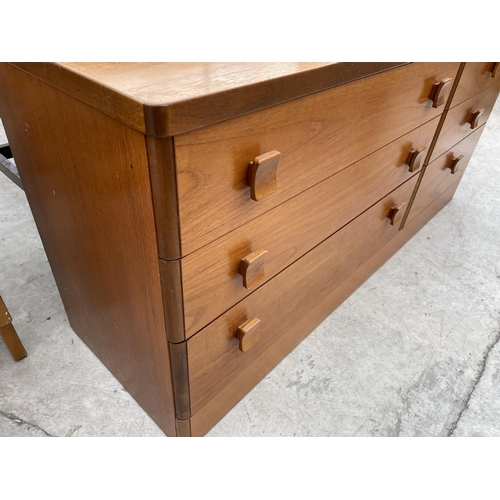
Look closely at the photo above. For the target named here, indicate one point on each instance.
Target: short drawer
(274, 319)
(463, 119)
(442, 173)
(476, 77)
(317, 136)
(223, 272)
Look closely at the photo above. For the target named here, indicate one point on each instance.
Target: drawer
(442, 173)
(287, 309)
(317, 136)
(476, 77)
(459, 120)
(211, 279)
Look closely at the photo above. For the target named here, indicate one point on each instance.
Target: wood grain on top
(167, 83)
(165, 99)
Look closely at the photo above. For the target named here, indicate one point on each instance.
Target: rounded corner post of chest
(162, 171)
(183, 427)
(180, 380)
(156, 120)
(173, 302)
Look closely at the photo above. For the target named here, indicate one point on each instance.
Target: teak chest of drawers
(202, 219)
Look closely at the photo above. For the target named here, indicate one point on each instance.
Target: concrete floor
(414, 352)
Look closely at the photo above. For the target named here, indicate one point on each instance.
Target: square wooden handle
(396, 213)
(495, 70)
(455, 164)
(415, 158)
(248, 334)
(474, 119)
(252, 268)
(440, 91)
(262, 173)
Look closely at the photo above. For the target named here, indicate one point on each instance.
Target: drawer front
(442, 173)
(285, 307)
(459, 121)
(212, 277)
(476, 77)
(316, 135)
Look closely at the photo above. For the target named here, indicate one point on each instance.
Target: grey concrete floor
(414, 352)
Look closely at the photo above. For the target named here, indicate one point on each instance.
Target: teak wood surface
(87, 182)
(457, 126)
(165, 99)
(211, 278)
(438, 177)
(317, 136)
(475, 78)
(284, 303)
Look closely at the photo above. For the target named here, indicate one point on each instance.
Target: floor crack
(482, 368)
(20, 421)
(245, 405)
(72, 430)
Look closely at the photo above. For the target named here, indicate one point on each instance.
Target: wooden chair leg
(9, 334)
(13, 342)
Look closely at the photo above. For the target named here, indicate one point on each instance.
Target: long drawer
(442, 173)
(212, 277)
(463, 119)
(317, 136)
(283, 310)
(476, 77)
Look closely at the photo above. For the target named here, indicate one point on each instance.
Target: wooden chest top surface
(165, 99)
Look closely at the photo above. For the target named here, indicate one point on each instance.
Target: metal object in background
(8, 165)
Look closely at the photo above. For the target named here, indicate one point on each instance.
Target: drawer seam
(454, 86)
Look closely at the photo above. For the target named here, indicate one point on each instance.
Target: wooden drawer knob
(415, 158)
(396, 213)
(252, 268)
(455, 164)
(474, 119)
(439, 91)
(495, 69)
(262, 175)
(248, 334)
